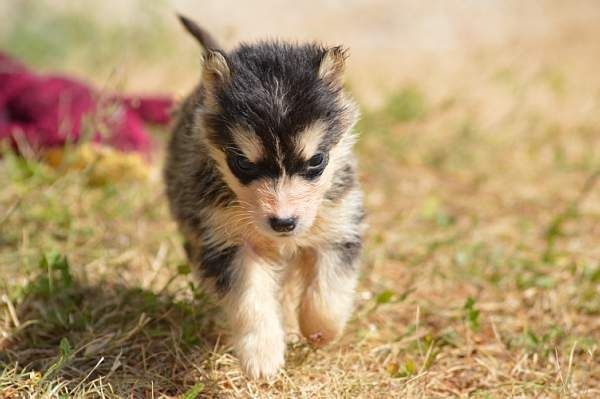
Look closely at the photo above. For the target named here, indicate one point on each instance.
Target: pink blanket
(49, 110)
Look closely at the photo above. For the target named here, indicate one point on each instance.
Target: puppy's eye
(243, 164)
(316, 165)
(244, 169)
(316, 161)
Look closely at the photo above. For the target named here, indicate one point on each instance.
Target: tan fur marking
(307, 142)
(248, 143)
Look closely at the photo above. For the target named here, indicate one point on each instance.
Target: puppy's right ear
(205, 39)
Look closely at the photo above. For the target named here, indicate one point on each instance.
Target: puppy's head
(278, 126)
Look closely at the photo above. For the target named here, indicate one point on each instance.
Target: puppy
(261, 180)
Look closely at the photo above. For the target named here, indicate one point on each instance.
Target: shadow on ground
(140, 342)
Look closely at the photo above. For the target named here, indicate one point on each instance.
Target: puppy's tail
(202, 36)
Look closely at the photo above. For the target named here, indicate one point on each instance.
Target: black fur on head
(273, 90)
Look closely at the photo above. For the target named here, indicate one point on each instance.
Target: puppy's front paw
(261, 354)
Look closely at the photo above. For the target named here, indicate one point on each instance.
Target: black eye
(244, 169)
(243, 164)
(316, 160)
(316, 165)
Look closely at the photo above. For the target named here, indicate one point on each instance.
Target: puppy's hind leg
(330, 277)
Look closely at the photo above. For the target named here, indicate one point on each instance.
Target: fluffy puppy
(261, 180)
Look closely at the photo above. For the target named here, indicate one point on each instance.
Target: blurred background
(140, 44)
(480, 159)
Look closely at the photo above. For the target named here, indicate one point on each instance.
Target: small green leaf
(54, 261)
(595, 275)
(545, 282)
(65, 347)
(385, 297)
(184, 269)
(471, 314)
(532, 339)
(410, 368)
(194, 391)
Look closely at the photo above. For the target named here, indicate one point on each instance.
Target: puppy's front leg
(255, 315)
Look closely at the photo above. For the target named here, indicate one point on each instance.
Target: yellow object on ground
(104, 164)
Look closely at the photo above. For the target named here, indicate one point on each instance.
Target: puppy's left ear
(215, 71)
(331, 68)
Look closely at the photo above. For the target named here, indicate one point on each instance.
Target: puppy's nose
(283, 225)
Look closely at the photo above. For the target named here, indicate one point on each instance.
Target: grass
(481, 274)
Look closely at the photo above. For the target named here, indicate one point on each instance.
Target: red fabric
(48, 111)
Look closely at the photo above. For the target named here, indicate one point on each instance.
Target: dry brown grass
(481, 274)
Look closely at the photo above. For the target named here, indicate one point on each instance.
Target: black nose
(282, 225)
